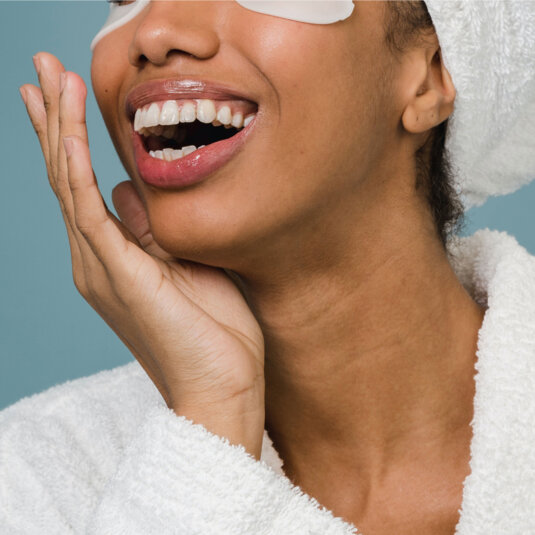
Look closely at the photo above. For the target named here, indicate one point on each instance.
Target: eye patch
(310, 11)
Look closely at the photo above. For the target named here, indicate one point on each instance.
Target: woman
(308, 329)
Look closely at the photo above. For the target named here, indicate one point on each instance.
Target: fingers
(71, 121)
(134, 216)
(33, 100)
(57, 111)
(43, 106)
(48, 68)
(90, 215)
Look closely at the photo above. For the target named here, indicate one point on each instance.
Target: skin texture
(338, 319)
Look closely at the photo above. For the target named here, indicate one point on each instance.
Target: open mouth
(180, 142)
(171, 130)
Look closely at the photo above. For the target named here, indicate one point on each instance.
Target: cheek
(324, 124)
(101, 79)
(109, 68)
(109, 73)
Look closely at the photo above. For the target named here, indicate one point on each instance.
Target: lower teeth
(174, 154)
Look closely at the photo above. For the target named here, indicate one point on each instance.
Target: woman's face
(323, 123)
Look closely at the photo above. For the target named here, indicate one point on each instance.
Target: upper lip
(179, 88)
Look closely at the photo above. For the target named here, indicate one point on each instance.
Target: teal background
(49, 334)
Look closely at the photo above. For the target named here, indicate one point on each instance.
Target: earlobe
(433, 102)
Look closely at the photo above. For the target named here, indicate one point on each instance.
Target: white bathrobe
(103, 454)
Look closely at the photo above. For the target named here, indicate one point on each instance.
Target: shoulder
(500, 274)
(490, 263)
(103, 394)
(60, 446)
(111, 401)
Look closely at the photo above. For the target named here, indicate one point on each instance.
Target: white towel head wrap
(488, 47)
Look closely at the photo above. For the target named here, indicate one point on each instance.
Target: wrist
(240, 425)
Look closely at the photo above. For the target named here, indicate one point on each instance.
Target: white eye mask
(311, 11)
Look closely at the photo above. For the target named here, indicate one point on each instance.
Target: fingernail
(67, 143)
(22, 92)
(62, 80)
(37, 64)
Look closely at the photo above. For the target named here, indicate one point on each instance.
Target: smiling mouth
(173, 129)
(180, 142)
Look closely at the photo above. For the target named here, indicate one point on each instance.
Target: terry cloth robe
(105, 455)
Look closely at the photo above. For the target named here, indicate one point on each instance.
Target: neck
(368, 355)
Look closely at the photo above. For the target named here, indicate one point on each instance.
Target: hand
(186, 323)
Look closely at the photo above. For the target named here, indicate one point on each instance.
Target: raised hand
(187, 324)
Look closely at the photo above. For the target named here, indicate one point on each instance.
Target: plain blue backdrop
(49, 334)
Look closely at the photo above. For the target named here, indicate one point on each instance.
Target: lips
(204, 161)
(189, 169)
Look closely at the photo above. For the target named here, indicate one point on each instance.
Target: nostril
(180, 52)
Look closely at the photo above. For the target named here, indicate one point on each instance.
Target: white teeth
(143, 117)
(137, 120)
(169, 113)
(150, 120)
(188, 149)
(153, 115)
(206, 111)
(187, 113)
(237, 120)
(224, 116)
(174, 154)
(168, 154)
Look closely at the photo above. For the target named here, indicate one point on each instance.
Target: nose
(170, 28)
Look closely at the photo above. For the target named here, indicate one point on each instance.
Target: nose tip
(174, 27)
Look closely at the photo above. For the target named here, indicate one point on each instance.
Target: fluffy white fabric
(104, 454)
(487, 47)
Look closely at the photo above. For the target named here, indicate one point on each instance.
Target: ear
(432, 94)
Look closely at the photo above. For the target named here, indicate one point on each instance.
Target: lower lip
(189, 169)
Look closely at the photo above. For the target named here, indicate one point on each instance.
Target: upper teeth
(173, 112)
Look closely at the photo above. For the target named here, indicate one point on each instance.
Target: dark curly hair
(406, 24)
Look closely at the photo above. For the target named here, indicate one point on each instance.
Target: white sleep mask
(311, 11)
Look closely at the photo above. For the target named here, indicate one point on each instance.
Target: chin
(205, 240)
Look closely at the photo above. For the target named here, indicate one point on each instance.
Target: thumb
(132, 213)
